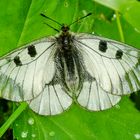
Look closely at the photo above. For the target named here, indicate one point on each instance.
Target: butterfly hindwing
(51, 101)
(24, 72)
(94, 98)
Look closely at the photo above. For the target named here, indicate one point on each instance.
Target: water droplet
(137, 136)
(17, 124)
(137, 30)
(113, 17)
(84, 12)
(31, 121)
(33, 135)
(128, 8)
(117, 106)
(52, 133)
(24, 134)
(66, 3)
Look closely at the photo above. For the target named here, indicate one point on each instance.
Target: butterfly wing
(24, 72)
(93, 97)
(115, 68)
(52, 100)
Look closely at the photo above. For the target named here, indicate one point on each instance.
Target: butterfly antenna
(80, 18)
(51, 19)
(52, 27)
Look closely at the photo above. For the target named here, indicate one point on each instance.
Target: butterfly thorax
(65, 39)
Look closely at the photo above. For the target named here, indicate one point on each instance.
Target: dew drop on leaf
(24, 134)
(137, 136)
(52, 133)
(33, 135)
(31, 121)
(66, 3)
(84, 12)
(117, 106)
(16, 124)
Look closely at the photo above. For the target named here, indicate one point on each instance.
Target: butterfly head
(65, 28)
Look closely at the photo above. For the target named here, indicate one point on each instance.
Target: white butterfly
(53, 72)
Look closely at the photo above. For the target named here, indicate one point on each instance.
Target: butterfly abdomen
(69, 68)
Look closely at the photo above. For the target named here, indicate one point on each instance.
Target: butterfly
(53, 72)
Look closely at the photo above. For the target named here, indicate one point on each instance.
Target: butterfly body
(67, 63)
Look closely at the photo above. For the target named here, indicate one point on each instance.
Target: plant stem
(12, 118)
(119, 26)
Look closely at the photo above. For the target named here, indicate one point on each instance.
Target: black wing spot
(119, 54)
(32, 51)
(17, 61)
(103, 46)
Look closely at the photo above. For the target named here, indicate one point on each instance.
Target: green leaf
(120, 122)
(115, 4)
(21, 23)
(129, 9)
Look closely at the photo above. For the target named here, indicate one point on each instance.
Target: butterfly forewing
(22, 71)
(115, 69)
